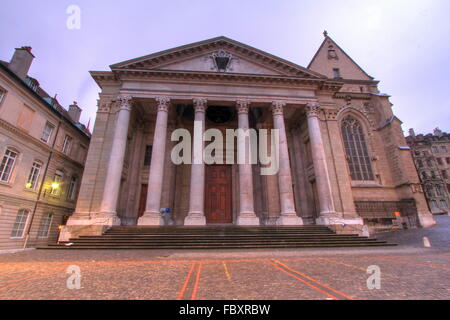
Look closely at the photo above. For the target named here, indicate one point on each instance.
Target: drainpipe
(41, 187)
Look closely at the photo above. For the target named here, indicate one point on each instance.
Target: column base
(85, 226)
(289, 220)
(195, 219)
(426, 220)
(247, 219)
(343, 225)
(151, 219)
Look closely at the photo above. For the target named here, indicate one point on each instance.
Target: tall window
(19, 224)
(336, 73)
(72, 188)
(430, 191)
(356, 149)
(444, 205)
(433, 205)
(56, 184)
(67, 144)
(439, 191)
(443, 149)
(420, 163)
(2, 94)
(33, 177)
(434, 149)
(45, 224)
(47, 133)
(7, 166)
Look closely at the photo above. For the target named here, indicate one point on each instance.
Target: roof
(49, 102)
(221, 41)
(328, 38)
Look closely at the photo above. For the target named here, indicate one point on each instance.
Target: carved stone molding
(362, 110)
(104, 106)
(200, 104)
(313, 109)
(242, 106)
(124, 102)
(222, 61)
(163, 103)
(330, 114)
(277, 107)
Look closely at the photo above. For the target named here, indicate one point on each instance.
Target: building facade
(43, 148)
(343, 159)
(431, 155)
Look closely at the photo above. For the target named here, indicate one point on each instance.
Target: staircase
(218, 237)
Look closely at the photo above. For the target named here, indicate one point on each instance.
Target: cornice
(193, 49)
(40, 144)
(353, 95)
(120, 74)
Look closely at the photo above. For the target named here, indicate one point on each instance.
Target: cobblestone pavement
(408, 271)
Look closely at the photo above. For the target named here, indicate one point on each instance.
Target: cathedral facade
(343, 159)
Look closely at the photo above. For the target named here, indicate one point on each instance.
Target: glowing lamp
(55, 185)
(29, 185)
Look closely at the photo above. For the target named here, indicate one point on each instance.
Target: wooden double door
(218, 188)
(218, 207)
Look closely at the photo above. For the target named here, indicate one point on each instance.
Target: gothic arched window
(356, 149)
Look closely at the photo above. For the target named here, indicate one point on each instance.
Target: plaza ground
(408, 271)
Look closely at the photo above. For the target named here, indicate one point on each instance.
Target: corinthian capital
(277, 107)
(124, 101)
(242, 106)
(163, 103)
(200, 104)
(312, 109)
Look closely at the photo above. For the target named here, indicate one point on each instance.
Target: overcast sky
(403, 43)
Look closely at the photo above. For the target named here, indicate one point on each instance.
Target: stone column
(246, 214)
(288, 216)
(130, 216)
(108, 205)
(152, 215)
(320, 164)
(196, 215)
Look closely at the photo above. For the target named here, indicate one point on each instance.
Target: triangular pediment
(221, 55)
(330, 57)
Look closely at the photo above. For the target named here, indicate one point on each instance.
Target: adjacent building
(431, 153)
(43, 148)
(344, 161)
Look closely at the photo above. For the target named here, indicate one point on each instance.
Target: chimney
(21, 62)
(412, 133)
(75, 112)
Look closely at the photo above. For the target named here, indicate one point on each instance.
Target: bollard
(426, 242)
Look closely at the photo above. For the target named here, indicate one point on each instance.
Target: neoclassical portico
(246, 207)
(326, 173)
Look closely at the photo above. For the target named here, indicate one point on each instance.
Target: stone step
(237, 246)
(223, 237)
(219, 237)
